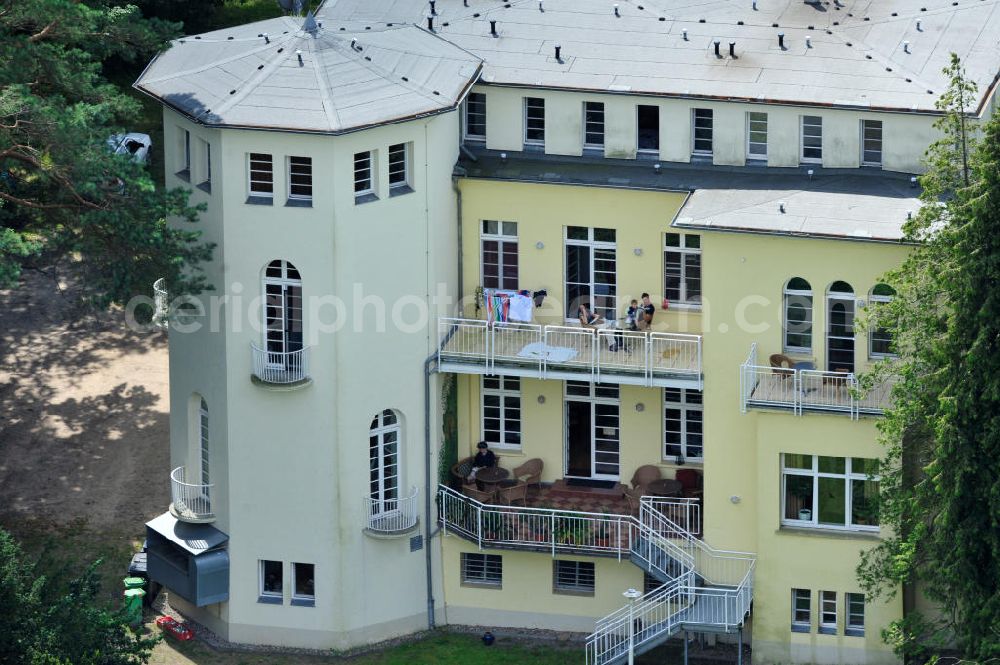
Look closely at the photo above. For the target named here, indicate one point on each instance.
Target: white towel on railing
(521, 308)
(552, 354)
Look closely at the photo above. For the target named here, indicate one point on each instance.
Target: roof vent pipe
(354, 43)
(920, 28)
(809, 43)
(685, 33)
(781, 40)
(433, 8)
(617, 13)
(299, 54)
(465, 3)
(541, 7)
(558, 53)
(732, 49)
(906, 47)
(717, 54)
(493, 28)
(430, 23)
(781, 206)
(755, 5)
(267, 38)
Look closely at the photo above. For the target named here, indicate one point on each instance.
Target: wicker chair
(632, 496)
(460, 471)
(782, 365)
(644, 475)
(530, 473)
(512, 493)
(692, 482)
(482, 497)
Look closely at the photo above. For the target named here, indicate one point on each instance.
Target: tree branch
(45, 32)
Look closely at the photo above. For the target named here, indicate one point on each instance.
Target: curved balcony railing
(191, 502)
(161, 306)
(388, 516)
(280, 367)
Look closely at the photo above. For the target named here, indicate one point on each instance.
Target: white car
(134, 144)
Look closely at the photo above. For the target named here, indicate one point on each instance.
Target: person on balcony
(646, 312)
(484, 459)
(632, 315)
(589, 319)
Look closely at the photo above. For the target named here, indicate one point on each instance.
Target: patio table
(490, 477)
(665, 487)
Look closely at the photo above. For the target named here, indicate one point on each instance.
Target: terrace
(472, 346)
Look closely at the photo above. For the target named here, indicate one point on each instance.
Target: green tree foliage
(63, 196)
(940, 489)
(41, 624)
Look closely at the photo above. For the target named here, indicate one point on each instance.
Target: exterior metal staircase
(702, 590)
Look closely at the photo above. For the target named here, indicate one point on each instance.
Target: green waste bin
(134, 582)
(133, 605)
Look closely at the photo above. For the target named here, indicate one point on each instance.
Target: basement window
(303, 584)
(271, 583)
(574, 578)
(484, 570)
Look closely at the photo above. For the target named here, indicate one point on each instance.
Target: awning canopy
(194, 538)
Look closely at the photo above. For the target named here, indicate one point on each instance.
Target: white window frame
(798, 625)
(751, 144)
(803, 124)
(185, 154)
(504, 392)
(685, 299)
(847, 298)
(480, 97)
(596, 246)
(302, 599)
(578, 571)
(284, 287)
(848, 477)
(203, 441)
(262, 593)
(251, 171)
(481, 570)
(506, 234)
(875, 333)
(828, 612)
(367, 183)
(694, 128)
(530, 104)
(591, 126)
(385, 490)
(880, 139)
(689, 412)
(295, 169)
(205, 176)
(394, 167)
(787, 294)
(854, 623)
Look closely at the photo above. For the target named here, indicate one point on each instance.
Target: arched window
(840, 328)
(203, 441)
(798, 299)
(282, 314)
(879, 338)
(383, 459)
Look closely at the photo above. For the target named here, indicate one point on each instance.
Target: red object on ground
(175, 628)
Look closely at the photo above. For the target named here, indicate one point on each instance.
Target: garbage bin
(133, 596)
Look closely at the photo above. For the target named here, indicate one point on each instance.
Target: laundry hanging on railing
(521, 307)
(504, 306)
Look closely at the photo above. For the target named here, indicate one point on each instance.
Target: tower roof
(286, 73)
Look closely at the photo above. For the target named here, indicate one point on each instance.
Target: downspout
(430, 367)
(458, 203)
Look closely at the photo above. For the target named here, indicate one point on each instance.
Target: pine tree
(940, 479)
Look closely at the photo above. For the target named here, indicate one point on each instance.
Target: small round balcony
(190, 502)
(391, 518)
(280, 370)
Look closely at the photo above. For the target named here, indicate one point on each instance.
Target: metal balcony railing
(190, 502)
(280, 367)
(570, 352)
(391, 516)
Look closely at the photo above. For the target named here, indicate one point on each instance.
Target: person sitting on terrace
(485, 459)
(632, 315)
(589, 319)
(646, 312)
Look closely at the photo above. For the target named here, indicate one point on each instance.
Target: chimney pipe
(433, 8)
(717, 54)
(558, 53)
(685, 33)
(493, 28)
(541, 7)
(267, 39)
(809, 43)
(617, 13)
(299, 54)
(781, 40)
(430, 23)
(732, 49)
(906, 47)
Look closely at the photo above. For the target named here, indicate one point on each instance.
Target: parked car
(133, 143)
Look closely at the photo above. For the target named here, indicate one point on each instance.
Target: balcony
(391, 517)
(286, 369)
(472, 346)
(190, 502)
(801, 390)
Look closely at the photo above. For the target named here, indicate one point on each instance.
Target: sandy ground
(83, 415)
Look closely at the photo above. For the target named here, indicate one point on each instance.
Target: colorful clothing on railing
(497, 306)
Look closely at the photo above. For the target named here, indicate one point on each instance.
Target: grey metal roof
(834, 203)
(344, 81)
(195, 538)
(856, 58)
